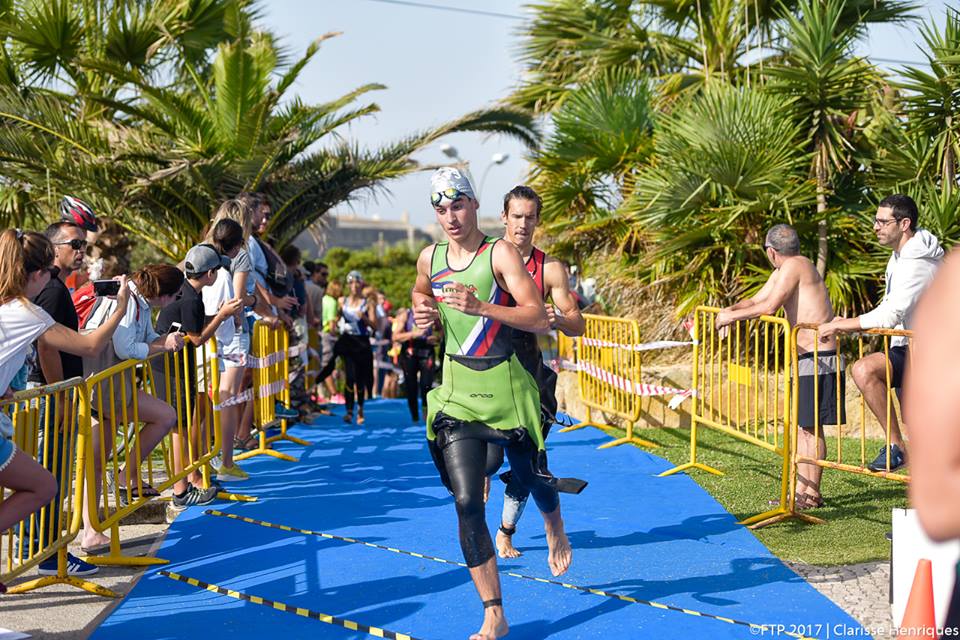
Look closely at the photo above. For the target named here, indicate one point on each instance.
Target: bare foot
(561, 555)
(486, 489)
(92, 539)
(505, 548)
(494, 625)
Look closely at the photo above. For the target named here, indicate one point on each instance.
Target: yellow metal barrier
(741, 382)
(47, 422)
(608, 373)
(182, 381)
(270, 365)
(566, 347)
(835, 458)
(198, 413)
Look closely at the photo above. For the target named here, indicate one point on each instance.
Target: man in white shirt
(916, 256)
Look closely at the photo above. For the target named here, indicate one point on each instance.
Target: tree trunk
(822, 248)
(949, 171)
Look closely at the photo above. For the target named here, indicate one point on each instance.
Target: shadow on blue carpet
(655, 539)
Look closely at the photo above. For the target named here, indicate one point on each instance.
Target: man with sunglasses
(69, 248)
(916, 256)
(488, 404)
(797, 288)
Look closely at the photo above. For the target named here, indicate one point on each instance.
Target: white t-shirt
(21, 322)
(213, 298)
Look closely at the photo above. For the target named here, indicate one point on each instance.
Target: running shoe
(284, 413)
(234, 473)
(895, 454)
(338, 399)
(75, 567)
(194, 497)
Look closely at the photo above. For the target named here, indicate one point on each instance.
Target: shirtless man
(521, 213)
(796, 286)
(487, 398)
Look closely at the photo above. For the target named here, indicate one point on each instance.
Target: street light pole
(495, 159)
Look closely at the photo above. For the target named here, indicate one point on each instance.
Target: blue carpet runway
(651, 539)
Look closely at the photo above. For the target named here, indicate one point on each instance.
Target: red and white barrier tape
(240, 398)
(646, 346)
(637, 388)
(272, 388)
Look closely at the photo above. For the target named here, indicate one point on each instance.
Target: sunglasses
(452, 194)
(76, 245)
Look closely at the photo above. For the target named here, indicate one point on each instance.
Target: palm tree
(601, 135)
(827, 88)
(932, 101)
(726, 166)
(683, 43)
(159, 158)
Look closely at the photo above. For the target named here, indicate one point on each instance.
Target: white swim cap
(445, 181)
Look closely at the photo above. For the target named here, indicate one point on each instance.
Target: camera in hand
(103, 288)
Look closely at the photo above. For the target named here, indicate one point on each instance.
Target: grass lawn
(857, 508)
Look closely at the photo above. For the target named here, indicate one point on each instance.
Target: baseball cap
(204, 257)
(447, 179)
(354, 275)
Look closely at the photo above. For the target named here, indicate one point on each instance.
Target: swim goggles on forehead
(451, 194)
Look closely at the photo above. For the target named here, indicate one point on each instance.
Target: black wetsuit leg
(467, 452)
(465, 462)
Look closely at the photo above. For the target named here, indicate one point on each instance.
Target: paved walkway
(860, 589)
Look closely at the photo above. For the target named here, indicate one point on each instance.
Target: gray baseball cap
(204, 257)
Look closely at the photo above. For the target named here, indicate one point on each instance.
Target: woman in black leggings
(357, 321)
(417, 360)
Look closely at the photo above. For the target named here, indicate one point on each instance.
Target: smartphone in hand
(105, 288)
(175, 327)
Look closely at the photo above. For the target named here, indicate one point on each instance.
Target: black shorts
(898, 365)
(821, 389)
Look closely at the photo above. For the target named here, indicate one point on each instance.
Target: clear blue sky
(438, 65)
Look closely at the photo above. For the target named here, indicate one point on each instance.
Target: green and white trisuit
(483, 380)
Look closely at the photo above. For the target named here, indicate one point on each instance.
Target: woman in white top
(25, 262)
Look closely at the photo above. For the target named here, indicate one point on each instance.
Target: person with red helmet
(81, 214)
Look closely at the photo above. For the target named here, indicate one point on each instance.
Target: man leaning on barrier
(916, 256)
(797, 288)
(69, 241)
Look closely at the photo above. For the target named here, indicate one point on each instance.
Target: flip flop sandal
(246, 445)
(806, 504)
(144, 491)
(97, 550)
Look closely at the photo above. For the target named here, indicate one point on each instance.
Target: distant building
(355, 232)
(490, 225)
